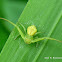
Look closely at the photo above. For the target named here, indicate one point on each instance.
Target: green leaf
(46, 15)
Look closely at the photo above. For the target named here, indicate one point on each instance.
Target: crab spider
(31, 31)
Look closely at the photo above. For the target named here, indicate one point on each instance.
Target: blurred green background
(11, 10)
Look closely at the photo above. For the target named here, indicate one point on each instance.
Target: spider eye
(31, 30)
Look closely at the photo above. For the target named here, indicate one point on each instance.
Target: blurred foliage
(11, 10)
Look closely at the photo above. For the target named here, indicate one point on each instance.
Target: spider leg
(43, 38)
(16, 37)
(19, 30)
(37, 33)
(23, 27)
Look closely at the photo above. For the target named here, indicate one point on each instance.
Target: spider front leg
(37, 33)
(19, 30)
(23, 27)
(43, 38)
(24, 31)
